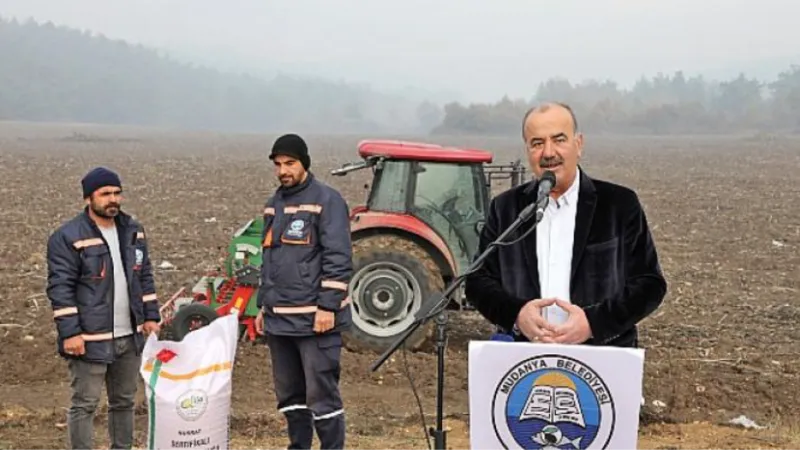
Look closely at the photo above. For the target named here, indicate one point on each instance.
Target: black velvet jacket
(616, 277)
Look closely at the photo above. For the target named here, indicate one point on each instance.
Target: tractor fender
(367, 223)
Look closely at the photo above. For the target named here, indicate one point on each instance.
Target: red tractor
(418, 230)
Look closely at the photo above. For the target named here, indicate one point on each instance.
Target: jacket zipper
(111, 316)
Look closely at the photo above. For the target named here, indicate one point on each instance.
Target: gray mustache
(550, 162)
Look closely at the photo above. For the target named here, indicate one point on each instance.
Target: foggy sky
(473, 50)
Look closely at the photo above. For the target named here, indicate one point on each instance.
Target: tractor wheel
(392, 278)
(189, 318)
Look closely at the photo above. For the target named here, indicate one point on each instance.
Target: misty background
(399, 67)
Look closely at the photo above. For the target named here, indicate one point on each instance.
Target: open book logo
(553, 402)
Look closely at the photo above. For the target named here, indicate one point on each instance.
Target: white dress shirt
(554, 237)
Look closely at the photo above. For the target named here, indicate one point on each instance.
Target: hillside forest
(53, 73)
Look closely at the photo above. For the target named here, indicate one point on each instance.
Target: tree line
(55, 73)
(51, 73)
(663, 104)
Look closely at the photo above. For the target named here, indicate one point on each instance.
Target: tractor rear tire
(393, 277)
(181, 323)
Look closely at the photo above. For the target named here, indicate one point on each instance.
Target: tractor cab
(447, 188)
(428, 202)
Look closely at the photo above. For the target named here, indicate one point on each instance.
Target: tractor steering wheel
(467, 217)
(431, 206)
(453, 226)
(449, 207)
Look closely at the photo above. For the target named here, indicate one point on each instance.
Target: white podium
(530, 396)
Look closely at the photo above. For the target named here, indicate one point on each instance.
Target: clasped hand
(536, 328)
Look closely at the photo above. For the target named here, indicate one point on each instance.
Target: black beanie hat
(98, 178)
(294, 146)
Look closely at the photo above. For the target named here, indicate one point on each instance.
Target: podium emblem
(553, 402)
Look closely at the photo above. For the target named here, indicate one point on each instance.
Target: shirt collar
(571, 196)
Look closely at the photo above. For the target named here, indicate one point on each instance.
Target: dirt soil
(723, 210)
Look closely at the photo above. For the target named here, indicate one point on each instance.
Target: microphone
(543, 195)
(545, 185)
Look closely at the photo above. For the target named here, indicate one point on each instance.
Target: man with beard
(589, 272)
(306, 267)
(100, 285)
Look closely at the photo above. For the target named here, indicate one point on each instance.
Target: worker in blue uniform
(103, 295)
(303, 302)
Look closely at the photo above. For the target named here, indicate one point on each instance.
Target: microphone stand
(438, 311)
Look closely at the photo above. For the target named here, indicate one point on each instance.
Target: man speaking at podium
(589, 272)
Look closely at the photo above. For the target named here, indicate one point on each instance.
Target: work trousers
(120, 378)
(306, 373)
